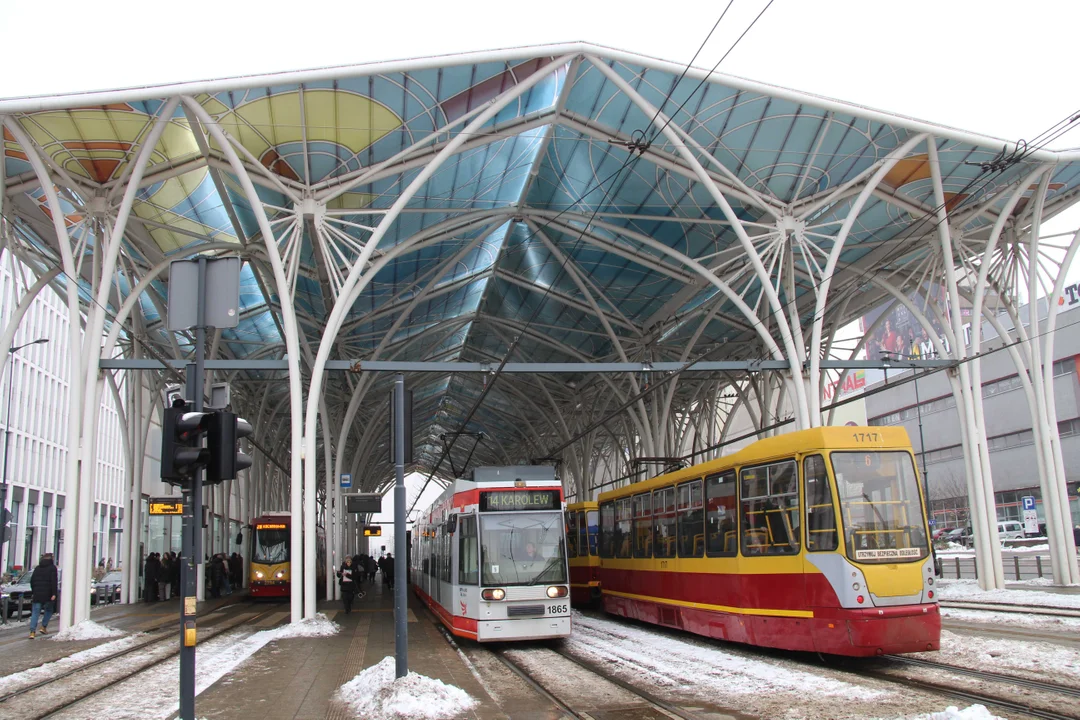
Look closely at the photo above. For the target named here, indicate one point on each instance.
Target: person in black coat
(371, 567)
(359, 569)
(44, 586)
(388, 569)
(347, 580)
(150, 577)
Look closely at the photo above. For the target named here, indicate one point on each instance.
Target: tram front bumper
(523, 628)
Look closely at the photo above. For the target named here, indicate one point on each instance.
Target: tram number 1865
(558, 609)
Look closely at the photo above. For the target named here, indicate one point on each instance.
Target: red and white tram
(489, 556)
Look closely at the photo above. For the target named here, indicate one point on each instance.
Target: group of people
(356, 569)
(161, 576)
(225, 573)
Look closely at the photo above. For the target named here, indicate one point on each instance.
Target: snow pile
(969, 590)
(991, 617)
(87, 630)
(375, 693)
(318, 626)
(972, 712)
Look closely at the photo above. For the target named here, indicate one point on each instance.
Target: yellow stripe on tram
(716, 608)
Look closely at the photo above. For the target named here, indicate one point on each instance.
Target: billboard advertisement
(901, 334)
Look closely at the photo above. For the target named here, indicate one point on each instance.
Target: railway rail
(44, 699)
(646, 698)
(1041, 610)
(1005, 699)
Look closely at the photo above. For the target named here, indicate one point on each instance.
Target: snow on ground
(1020, 658)
(87, 630)
(152, 694)
(989, 617)
(972, 712)
(318, 626)
(665, 658)
(375, 693)
(969, 591)
(26, 678)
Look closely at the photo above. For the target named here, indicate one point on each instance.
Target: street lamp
(7, 427)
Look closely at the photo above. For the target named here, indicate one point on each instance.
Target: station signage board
(166, 506)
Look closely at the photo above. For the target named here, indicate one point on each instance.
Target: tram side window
(664, 522)
(571, 534)
(607, 530)
(820, 515)
(722, 529)
(770, 509)
(468, 552)
(642, 526)
(623, 534)
(691, 520)
(587, 539)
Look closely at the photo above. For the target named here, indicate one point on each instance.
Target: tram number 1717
(866, 437)
(558, 609)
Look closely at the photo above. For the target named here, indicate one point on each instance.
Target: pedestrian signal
(373, 531)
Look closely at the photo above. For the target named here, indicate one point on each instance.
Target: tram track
(45, 701)
(1005, 699)
(1040, 610)
(553, 695)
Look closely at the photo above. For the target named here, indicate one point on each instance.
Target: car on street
(107, 589)
(12, 592)
(960, 536)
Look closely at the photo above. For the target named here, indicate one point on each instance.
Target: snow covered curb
(969, 590)
(972, 712)
(375, 693)
(87, 630)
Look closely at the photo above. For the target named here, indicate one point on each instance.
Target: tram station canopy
(561, 200)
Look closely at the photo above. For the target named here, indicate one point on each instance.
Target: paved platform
(296, 678)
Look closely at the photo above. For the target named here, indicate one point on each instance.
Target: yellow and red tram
(815, 540)
(269, 563)
(582, 551)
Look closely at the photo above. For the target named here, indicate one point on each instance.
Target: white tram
(489, 556)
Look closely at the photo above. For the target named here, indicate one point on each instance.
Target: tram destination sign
(503, 500)
(166, 506)
(888, 554)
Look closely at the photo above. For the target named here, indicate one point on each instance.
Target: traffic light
(181, 442)
(224, 432)
(373, 531)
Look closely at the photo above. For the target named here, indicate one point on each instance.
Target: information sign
(166, 506)
(500, 500)
(346, 480)
(1028, 502)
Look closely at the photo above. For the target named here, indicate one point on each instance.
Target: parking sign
(1028, 502)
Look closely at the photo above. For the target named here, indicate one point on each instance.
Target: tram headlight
(855, 586)
(929, 581)
(493, 594)
(280, 574)
(258, 575)
(556, 591)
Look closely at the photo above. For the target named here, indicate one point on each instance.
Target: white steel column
(351, 286)
(984, 514)
(63, 241)
(292, 343)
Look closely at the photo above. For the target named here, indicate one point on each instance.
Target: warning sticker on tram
(498, 500)
(888, 554)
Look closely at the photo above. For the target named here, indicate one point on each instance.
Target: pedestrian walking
(372, 566)
(359, 569)
(388, 569)
(347, 580)
(44, 585)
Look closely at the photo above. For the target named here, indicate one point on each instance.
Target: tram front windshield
(522, 549)
(879, 499)
(271, 545)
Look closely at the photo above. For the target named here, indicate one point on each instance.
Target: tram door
(821, 532)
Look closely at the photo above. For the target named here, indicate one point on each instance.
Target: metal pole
(4, 483)
(192, 521)
(401, 628)
(922, 442)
